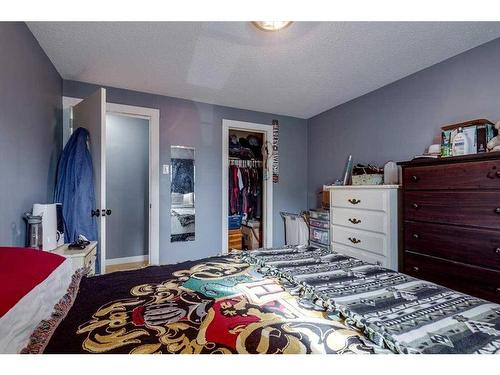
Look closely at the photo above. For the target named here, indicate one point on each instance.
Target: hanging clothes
(245, 190)
(75, 189)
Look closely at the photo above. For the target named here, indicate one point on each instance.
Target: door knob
(414, 205)
(108, 212)
(95, 212)
(414, 178)
(497, 250)
(416, 269)
(416, 236)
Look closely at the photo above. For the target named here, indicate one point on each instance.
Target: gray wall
(400, 120)
(199, 125)
(127, 184)
(30, 128)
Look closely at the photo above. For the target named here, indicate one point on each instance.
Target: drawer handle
(416, 269)
(497, 210)
(354, 240)
(497, 250)
(493, 174)
(414, 178)
(414, 205)
(355, 221)
(354, 201)
(416, 236)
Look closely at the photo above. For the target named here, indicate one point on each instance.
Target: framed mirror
(182, 188)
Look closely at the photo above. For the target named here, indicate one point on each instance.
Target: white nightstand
(84, 258)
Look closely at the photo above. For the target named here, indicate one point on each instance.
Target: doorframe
(267, 201)
(153, 115)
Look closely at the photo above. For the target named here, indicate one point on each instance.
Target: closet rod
(245, 163)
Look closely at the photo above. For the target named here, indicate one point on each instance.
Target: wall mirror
(182, 212)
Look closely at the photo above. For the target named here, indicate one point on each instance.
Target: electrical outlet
(166, 169)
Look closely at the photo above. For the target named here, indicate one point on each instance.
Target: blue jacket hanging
(75, 189)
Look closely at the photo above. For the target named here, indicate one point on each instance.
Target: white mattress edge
(17, 325)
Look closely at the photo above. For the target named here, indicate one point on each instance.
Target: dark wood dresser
(451, 222)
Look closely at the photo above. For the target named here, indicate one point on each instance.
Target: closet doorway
(247, 188)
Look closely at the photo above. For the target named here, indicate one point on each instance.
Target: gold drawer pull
(354, 201)
(416, 236)
(416, 269)
(414, 178)
(354, 240)
(414, 205)
(355, 221)
(492, 173)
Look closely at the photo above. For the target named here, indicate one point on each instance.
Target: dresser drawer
(373, 242)
(476, 281)
(361, 199)
(360, 219)
(472, 175)
(480, 247)
(479, 208)
(361, 254)
(89, 262)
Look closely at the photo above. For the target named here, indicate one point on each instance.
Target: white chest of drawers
(80, 258)
(364, 222)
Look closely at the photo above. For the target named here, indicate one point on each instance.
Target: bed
(35, 285)
(394, 310)
(214, 305)
(286, 300)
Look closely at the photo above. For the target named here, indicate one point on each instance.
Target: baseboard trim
(138, 258)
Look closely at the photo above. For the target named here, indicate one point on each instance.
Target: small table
(80, 258)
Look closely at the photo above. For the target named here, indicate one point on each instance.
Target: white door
(90, 114)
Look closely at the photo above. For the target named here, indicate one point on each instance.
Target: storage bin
(234, 221)
(321, 224)
(319, 214)
(319, 235)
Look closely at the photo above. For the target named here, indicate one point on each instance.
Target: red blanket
(21, 270)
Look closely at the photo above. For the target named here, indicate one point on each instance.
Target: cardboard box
(251, 235)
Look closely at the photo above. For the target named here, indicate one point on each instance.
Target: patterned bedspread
(394, 310)
(216, 305)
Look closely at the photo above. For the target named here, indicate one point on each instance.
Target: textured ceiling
(300, 71)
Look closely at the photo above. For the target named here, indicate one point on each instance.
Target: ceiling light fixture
(271, 25)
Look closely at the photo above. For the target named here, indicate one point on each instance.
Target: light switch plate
(166, 169)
